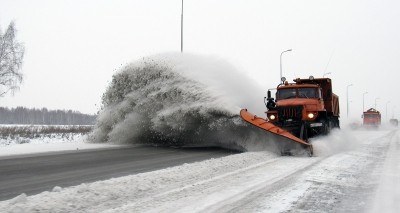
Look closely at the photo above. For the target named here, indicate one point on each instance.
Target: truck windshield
(371, 115)
(307, 93)
(297, 93)
(286, 93)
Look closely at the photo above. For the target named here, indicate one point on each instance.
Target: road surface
(356, 171)
(31, 174)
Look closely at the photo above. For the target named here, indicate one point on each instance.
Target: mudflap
(286, 142)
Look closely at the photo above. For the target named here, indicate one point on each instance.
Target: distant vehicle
(394, 122)
(372, 118)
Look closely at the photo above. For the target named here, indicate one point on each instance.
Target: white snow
(247, 182)
(33, 148)
(48, 143)
(388, 194)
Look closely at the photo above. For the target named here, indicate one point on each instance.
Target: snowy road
(36, 173)
(354, 171)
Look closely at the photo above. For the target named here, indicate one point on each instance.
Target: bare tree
(11, 56)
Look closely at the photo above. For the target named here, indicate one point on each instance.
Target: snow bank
(29, 139)
(53, 146)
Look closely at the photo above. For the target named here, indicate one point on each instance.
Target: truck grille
(292, 112)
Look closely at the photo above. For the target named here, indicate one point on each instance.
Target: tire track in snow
(217, 193)
(387, 198)
(345, 182)
(244, 202)
(332, 184)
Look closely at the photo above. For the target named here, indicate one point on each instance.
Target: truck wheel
(325, 129)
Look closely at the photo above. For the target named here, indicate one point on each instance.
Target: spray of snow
(180, 100)
(337, 141)
(344, 140)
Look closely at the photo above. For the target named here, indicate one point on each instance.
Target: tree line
(23, 115)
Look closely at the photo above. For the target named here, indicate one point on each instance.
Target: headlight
(272, 117)
(310, 115)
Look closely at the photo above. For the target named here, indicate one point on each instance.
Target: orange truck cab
(305, 108)
(371, 117)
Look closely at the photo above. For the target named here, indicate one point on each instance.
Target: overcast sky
(74, 47)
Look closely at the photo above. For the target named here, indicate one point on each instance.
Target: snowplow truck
(371, 118)
(300, 110)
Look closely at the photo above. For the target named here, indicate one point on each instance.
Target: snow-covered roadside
(32, 139)
(253, 181)
(47, 143)
(53, 146)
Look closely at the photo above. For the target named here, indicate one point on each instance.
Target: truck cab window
(308, 93)
(286, 94)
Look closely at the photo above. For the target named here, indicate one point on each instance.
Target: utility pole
(363, 100)
(375, 103)
(182, 28)
(386, 109)
(394, 107)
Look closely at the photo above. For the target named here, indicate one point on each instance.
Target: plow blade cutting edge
(270, 127)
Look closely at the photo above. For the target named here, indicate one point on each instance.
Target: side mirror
(269, 101)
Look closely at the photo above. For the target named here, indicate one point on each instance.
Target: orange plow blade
(269, 127)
